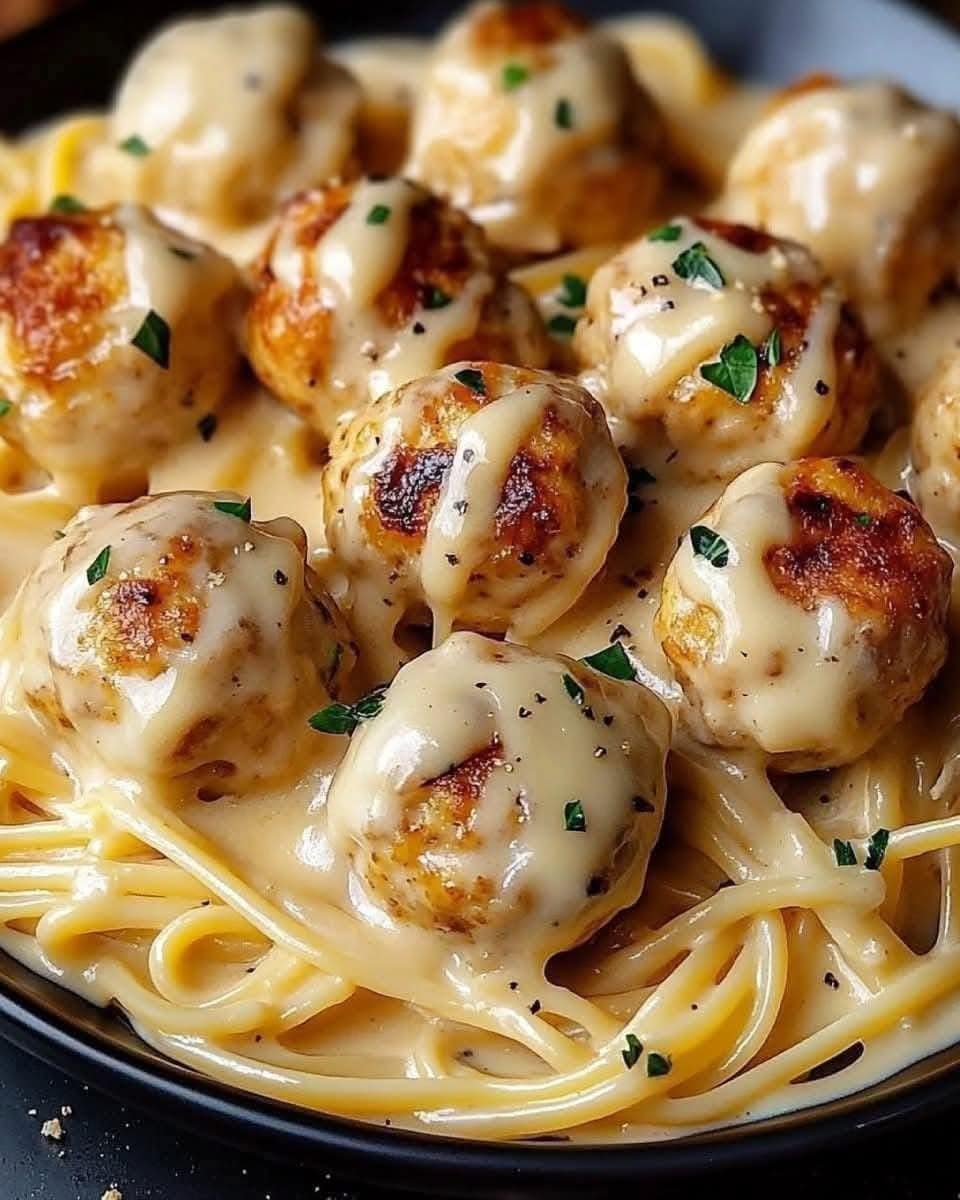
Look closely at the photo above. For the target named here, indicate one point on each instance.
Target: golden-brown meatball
(173, 634)
(936, 450)
(222, 147)
(489, 494)
(727, 344)
(116, 338)
(805, 613)
(502, 796)
(365, 286)
(868, 178)
(532, 121)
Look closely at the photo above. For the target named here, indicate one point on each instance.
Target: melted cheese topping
(362, 926)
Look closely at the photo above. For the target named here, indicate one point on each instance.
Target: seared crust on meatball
(533, 122)
(491, 542)
(100, 382)
(171, 635)
(805, 613)
(663, 315)
(430, 293)
(475, 830)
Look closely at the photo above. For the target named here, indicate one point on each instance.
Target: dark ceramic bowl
(75, 61)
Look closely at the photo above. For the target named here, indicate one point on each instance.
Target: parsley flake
(562, 325)
(573, 689)
(612, 661)
(844, 854)
(563, 114)
(695, 264)
(344, 718)
(658, 1064)
(98, 568)
(436, 298)
(574, 819)
(235, 508)
(573, 291)
(473, 379)
(153, 339)
(709, 545)
(666, 233)
(876, 849)
(736, 372)
(772, 348)
(633, 1051)
(378, 215)
(864, 519)
(5, 406)
(514, 75)
(65, 203)
(135, 145)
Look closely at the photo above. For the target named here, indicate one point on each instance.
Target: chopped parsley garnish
(612, 661)
(378, 215)
(473, 379)
(633, 1051)
(344, 718)
(709, 545)
(65, 203)
(573, 689)
(563, 114)
(573, 291)
(153, 339)
(772, 348)
(695, 263)
(235, 508)
(207, 426)
(666, 233)
(876, 849)
(562, 325)
(98, 568)
(658, 1064)
(135, 145)
(514, 75)
(844, 854)
(864, 519)
(436, 298)
(574, 820)
(736, 371)
(5, 406)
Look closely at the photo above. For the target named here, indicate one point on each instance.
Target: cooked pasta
(524, 703)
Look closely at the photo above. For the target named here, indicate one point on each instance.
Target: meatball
(116, 338)
(533, 122)
(365, 286)
(502, 797)
(868, 178)
(805, 613)
(936, 450)
(489, 494)
(223, 147)
(727, 344)
(174, 635)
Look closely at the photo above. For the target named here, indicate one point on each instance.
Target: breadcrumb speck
(52, 1129)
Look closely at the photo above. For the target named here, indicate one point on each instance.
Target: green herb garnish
(772, 348)
(658, 1064)
(436, 298)
(98, 568)
(135, 145)
(563, 114)
(633, 1051)
(153, 339)
(65, 203)
(573, 291)
(235, 508)
(379, 214)
(514, 75)
(5, 406)
(709, 545)
(473, 379)
(876, 849)
(695, 263)
(612, 661)
(844, 854)
(574, 690)
(666, 233)
(864, 519)
(344, 718)
(562, 325)
(574, 820)
(736, 371)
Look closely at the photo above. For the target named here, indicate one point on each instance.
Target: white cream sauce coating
(648, 331)
(867, 177)
(552, 749)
